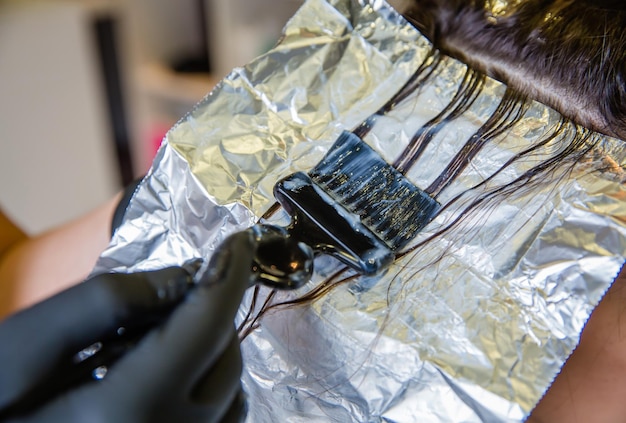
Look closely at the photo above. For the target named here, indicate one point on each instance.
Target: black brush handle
(327, 227)
(280, 261)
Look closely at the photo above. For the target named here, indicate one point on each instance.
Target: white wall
(56, 156)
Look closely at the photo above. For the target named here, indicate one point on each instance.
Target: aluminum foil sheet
(472, 327)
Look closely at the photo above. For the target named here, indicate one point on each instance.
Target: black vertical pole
(108, 54)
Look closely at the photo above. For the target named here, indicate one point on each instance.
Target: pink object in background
(154, 138)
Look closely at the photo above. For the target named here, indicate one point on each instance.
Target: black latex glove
(184, 369)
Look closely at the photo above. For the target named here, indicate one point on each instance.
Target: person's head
(549, 51)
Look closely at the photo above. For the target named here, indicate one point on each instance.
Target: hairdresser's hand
(185, 369)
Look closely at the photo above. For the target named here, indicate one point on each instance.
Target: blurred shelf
(163, 84)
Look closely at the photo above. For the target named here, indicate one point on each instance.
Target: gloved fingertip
(232, 260)
(238, 410)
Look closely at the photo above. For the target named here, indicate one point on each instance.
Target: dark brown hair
(567, 54)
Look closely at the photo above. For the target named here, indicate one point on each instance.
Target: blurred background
(88, 88)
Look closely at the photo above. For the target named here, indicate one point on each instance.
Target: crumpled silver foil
(473, 327)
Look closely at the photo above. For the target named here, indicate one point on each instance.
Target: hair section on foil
(567, 142)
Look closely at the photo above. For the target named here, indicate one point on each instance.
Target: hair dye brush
(353, 206)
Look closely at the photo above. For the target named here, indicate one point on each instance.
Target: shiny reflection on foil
(472, 328)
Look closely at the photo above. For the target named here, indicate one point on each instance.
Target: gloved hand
(185, 368)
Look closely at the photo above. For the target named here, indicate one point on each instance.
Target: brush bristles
(363, 183)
